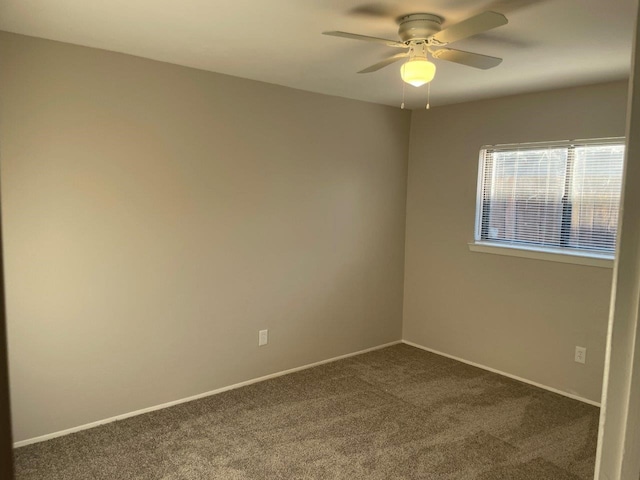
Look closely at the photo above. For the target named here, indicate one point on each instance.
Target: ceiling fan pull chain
(428, 95)
(402, 106)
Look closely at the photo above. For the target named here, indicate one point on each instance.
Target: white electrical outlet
(581, 355)
(263, 337)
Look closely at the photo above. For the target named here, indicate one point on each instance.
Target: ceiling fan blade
(508, 6)
(475, 60)
(378, 10)
(355, 36)
(385, 62)
(470, 27)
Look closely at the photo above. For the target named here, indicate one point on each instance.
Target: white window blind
(554, 196)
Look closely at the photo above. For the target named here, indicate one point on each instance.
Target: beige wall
(156, 217)
(520, 316)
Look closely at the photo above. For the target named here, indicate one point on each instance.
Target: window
(558, 197)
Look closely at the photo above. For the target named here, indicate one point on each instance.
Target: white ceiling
(547, 43)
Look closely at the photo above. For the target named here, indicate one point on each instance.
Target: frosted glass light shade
(418, 71)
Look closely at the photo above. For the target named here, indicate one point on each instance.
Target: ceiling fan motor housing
(418, 26)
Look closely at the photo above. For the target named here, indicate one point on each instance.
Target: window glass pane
(563, 195)
(595, 196)
(523, 196)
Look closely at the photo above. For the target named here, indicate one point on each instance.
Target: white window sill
(570, 256)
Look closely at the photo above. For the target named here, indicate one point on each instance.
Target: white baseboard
(79, 428)
(86, 426)
(515, 377)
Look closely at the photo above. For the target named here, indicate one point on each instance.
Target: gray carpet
(396, 413)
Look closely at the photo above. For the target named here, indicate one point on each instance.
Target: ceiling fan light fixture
(417, 71)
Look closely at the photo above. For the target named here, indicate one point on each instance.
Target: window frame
(528, 250)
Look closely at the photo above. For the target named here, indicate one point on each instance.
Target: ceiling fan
(421, 34)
